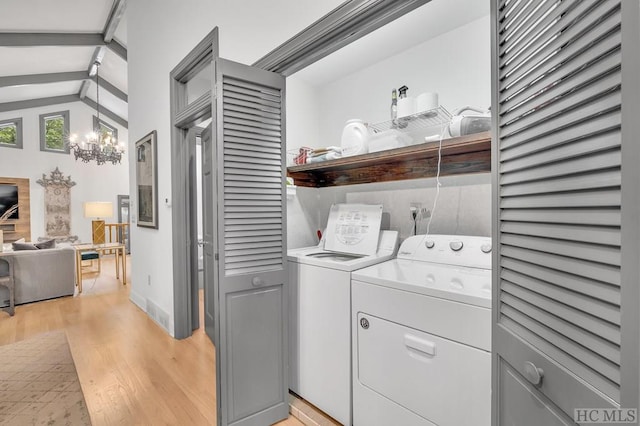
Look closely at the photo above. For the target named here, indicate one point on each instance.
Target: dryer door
(442, 381)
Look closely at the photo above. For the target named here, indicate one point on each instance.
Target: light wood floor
(131, 371)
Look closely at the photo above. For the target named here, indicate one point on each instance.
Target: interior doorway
(191, 100)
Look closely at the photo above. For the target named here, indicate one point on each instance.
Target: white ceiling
(45, 59)
(54, 15)
(121, 31)
(72, 16)
(35, 91)
(424, 23)
(61, 16)
(114, 70)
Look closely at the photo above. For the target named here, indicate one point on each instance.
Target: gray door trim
(495, 209)
(630, 249)
(350, 21)
(188, 116)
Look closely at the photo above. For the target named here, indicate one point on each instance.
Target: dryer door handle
(421, 345)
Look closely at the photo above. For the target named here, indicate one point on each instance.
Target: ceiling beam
(50, 39)
(35, 103)
(60, 39)
(118, 49)
(112, 89)
(56, 100)
(55, 77)
(117, 11)
(83, 89)
(112, 115)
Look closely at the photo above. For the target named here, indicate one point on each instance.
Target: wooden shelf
(461, 155)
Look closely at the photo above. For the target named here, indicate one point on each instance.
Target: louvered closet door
(557, 175)
(251, 323)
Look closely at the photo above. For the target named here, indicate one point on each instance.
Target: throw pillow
(23, 246)
(47, 244)
(21, 240)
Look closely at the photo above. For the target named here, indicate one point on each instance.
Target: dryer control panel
(459, 250)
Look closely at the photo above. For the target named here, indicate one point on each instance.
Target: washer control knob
(486, 248)
(429, 244)
(456, 245)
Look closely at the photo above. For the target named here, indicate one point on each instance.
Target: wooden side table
(121, 257)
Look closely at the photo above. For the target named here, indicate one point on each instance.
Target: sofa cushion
(23, 246)
(46, 244)
(42, 274)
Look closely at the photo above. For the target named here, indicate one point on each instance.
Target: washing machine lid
(318, 256)
(457, 283)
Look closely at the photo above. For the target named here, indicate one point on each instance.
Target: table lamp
(98, 210)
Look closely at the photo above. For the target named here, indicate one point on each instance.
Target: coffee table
(120, 253)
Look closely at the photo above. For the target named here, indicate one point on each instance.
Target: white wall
(456, 65)
(303, 116)
(463, 206)
(316, 117)
(93, 182)
(160, 34)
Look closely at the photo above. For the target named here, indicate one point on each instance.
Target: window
(105, 128)
(11, 133)
(54, 127)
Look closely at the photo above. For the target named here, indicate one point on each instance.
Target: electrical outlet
(148, 279)
(415, 209)
(415, 216)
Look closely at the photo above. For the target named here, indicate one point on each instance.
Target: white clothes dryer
(320, 312)
(421, 329)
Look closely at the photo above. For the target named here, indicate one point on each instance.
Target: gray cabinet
(565, 283)
(523, 405)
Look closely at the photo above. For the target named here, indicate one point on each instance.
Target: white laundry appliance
(421, 329)
(320, 304)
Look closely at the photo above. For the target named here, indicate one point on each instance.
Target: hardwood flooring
(131, 371)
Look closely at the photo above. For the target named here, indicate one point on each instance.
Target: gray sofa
(41, 274)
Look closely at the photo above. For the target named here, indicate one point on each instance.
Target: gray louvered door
(250, 309)
(557, 204)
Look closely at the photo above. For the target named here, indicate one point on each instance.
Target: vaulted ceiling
(48, 50)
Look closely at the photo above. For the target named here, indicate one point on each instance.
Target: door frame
(347, 23)
(184, 116)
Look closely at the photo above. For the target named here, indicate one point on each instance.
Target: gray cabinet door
(249, 245)
(559, 279)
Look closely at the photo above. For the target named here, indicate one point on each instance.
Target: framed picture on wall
(147, 181)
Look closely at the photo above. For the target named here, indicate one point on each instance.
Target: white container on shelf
(406, 106)
(426, 101)
(355, 136)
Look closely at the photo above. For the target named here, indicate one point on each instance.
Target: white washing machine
(320, 306)
(421, 330)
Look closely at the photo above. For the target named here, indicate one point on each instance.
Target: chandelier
(101, 145)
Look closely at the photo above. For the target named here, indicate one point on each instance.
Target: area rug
(39, 384)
